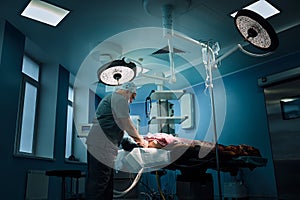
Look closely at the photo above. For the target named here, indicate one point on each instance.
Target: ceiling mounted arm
(167, 9)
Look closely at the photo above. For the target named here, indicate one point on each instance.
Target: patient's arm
(155, 144)
(178, 146)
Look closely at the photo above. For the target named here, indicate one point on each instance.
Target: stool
(67, 173)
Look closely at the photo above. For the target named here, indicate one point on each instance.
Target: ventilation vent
(165, 50)
(163, 53)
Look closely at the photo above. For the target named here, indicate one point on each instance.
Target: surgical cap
(130, 86)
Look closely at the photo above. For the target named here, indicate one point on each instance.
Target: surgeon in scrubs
(112, 119)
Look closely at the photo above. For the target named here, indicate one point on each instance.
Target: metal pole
(215, 129)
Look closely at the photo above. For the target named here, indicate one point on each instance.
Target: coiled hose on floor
(118, 194)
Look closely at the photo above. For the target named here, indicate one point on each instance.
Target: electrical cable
(159, 186)
(118, 194)
(253, 54)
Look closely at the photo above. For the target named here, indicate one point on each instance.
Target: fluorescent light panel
(286, 100)
(261, 7)
(44, 12)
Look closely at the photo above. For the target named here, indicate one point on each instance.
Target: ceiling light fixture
(261, 7)
(117, 72)
(256, 30)
(44, 12)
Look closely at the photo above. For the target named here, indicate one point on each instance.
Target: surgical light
(117, 72)
(256, 30)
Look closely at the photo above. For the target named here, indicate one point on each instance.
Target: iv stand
(212, 100)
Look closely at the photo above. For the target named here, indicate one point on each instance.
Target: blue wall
(14, 169)
(10, 72)
(246, 119)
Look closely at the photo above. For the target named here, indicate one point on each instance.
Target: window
(69, 130)
(26, 131)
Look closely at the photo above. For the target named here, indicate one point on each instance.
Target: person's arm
(132, 132)
(178, 146)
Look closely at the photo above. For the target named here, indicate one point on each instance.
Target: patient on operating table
(163, 140)
(170, 142)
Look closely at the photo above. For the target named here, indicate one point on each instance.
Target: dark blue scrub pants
(99, 184)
